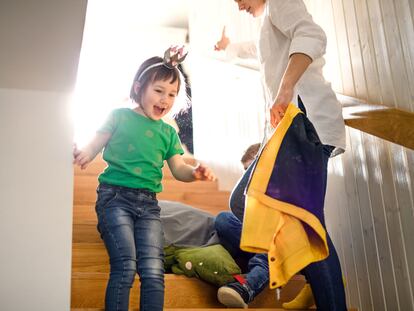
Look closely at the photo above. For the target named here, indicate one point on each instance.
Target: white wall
(40, 44)
(228, 103)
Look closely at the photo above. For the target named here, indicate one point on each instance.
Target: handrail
(394, 125)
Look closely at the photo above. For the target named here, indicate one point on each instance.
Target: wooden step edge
(167, 276)
(104, 275)
(98, 165)
(205, 309)
(187, 309)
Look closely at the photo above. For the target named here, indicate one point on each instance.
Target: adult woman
(290, 51)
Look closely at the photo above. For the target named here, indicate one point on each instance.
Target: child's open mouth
(158, 110)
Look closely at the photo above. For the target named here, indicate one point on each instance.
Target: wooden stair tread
(88, 290)
(194, 309)
(207, 309)
(199, 199)
(84, 183)
(85, 215)
(98, 165)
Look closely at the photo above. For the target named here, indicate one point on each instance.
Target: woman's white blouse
(288, 28)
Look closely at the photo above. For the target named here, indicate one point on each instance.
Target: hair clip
(174, 56)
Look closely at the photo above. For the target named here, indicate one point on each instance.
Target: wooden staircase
(90, 268)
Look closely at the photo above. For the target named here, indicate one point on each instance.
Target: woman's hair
(157, 73)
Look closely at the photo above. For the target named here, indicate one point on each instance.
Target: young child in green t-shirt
(136, 142)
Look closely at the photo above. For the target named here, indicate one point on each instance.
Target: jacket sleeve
(293, 20)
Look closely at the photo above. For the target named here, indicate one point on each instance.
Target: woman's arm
(242, 49)
(297, 65)
(308, 42)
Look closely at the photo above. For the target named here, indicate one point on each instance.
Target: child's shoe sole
(230, 298)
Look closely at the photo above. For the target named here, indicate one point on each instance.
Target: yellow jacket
(284, 201)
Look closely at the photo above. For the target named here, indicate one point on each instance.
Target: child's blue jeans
(325, 277)
(130, 226)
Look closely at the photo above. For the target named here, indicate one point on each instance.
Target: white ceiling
(168, 13)
(172, 13)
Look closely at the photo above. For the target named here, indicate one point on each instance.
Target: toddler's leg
(150, 255)
(117, 230)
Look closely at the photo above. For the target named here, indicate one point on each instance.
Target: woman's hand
(277, 111)
(224, 41)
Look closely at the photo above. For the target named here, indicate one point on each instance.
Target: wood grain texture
(391, 124)
(88, 290)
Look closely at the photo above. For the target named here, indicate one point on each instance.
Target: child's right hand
(81, 157)
(202, 172)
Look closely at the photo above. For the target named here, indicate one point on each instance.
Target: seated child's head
(249, 155)
(156, 85)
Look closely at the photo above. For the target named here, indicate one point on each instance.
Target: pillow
(212, 264)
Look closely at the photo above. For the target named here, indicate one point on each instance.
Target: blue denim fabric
(229, 229)
(325, 277)
(130, 226)
(237, 196)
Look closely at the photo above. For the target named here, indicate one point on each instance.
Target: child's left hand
(202, 172)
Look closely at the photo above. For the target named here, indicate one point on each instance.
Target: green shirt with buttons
(137, 149)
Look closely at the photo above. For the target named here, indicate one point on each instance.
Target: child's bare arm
(184, 172)
(84, 156)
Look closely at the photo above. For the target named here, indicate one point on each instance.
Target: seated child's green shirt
(137, 149)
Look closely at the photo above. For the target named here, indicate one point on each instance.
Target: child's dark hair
(156, 73)
(250, 153)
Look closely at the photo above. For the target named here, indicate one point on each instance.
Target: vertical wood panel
(333, 66)
(332, 204)
(405, 21)
(351, 173)
(396, 56)
(406, 221)
(384, 71)
(355, 49)
(338, 216)
(410, 164)
(372, 95)
(375, 52)
(343, 48)
(373, 149)
(322, 13)
(364, 196)
(393, 224)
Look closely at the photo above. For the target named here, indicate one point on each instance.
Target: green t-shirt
(137, 149)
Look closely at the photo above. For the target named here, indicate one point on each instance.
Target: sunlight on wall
(228, 114)
(118, 37)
